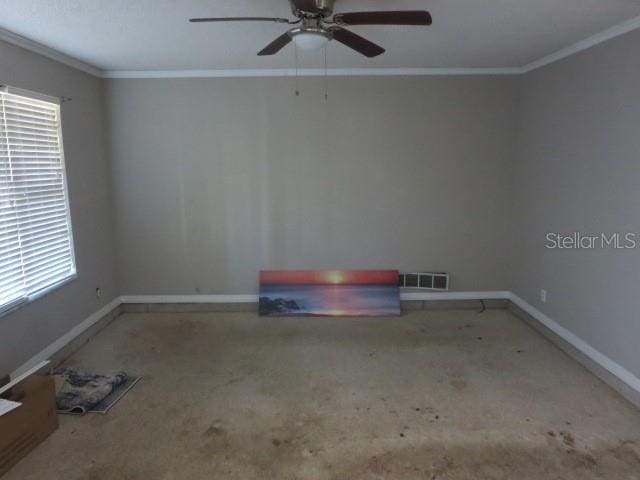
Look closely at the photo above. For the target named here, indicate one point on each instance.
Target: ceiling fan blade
(240, 19)
(308, 6)
(356, 42)
(277, 45)
(408, 17)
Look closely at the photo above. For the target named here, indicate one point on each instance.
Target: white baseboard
(489, 295)
(250, 298)
(67, 338)
(244, 298)
(602, 360)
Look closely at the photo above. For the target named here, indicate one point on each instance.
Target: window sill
(21, 302)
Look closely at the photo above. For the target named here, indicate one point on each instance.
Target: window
(36, 244)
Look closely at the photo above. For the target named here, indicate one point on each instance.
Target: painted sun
(335, 277)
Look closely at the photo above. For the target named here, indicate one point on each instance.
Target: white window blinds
(36, 245)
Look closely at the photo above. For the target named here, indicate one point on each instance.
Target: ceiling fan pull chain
(326, 77)
(295, 50)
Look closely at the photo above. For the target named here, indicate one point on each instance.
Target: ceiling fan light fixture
(308, 39)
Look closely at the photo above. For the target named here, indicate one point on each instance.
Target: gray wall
(578, 169)
(215, 179)
(31, 328)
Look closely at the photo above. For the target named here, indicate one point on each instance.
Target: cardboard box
(22, 429)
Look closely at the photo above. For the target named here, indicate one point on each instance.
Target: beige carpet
(430, 395)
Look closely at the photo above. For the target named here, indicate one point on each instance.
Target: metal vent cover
(425, 281)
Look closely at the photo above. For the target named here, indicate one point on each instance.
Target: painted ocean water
(329, 300)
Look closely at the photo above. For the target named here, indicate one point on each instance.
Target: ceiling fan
(318, 25)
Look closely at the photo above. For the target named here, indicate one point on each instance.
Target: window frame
(29, 297)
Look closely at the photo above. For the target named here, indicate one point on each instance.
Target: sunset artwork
(329, 293)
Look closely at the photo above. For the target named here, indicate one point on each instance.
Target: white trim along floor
(612, 373)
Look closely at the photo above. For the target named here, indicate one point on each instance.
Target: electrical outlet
(98, 292)
(543, 296)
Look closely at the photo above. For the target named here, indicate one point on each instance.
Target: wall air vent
(425, 281)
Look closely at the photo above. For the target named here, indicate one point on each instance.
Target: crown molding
(27, 44)
(605, 35)
(307, 72)
(601, 37)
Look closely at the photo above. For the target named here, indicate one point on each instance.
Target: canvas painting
(329, 293)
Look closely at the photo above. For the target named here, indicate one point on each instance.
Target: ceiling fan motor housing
(315, 8)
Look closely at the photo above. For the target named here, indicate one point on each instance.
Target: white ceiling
(155, 34)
